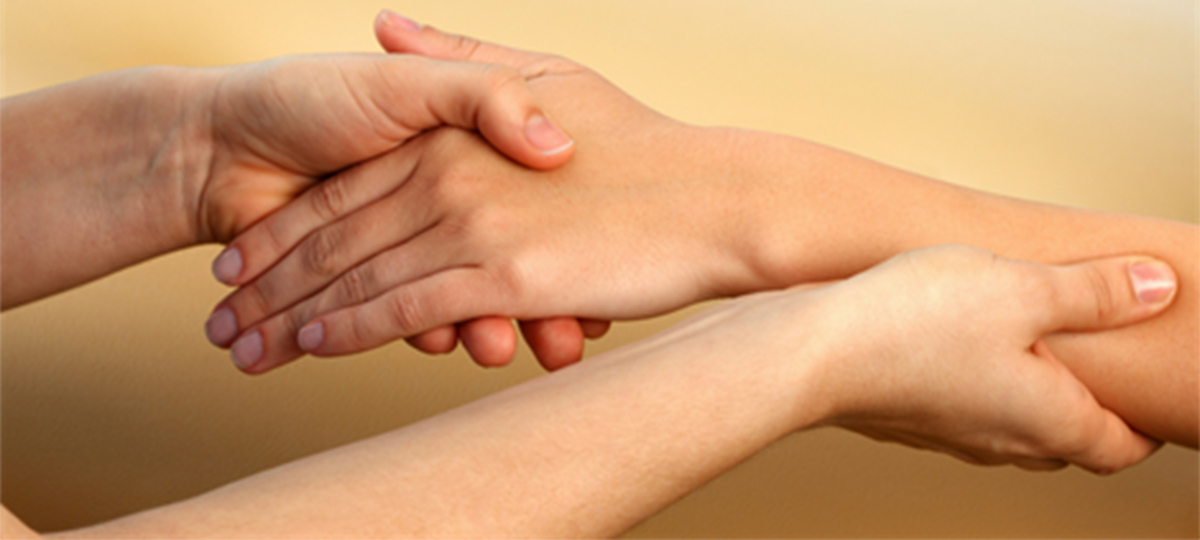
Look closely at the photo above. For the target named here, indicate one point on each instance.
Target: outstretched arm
(938, 338)
(653, 215)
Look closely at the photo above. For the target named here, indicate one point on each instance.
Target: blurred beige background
(113, 401)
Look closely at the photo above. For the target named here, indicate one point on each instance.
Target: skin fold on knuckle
(406, 316)
(253, 300)
(463, 47)
(319, 255)
(354, 287)
(329, 200)
(1107, 306)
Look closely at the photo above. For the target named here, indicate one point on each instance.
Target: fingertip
(228, 265)
(1110, 292)
(557, 342)
(546, 137)
(1118, 448)
(221, 326)
(400, 35)
(1154, 282)
(594, 328)
(388, 19)
(440, 340)
(491, 341)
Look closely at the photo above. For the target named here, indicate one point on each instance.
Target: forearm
(813, 213)
(96, 176)
(588, 452)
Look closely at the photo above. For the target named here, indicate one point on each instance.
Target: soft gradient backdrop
(113, 401)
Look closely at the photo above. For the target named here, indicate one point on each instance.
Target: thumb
(1108, 293)
(498, 102)
(399, 34)
(478, 92)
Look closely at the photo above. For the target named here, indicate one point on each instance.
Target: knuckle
(458, 186)
(501, 78)
(291, 322)
(275, 238)
(256, 299)
(551, 64)
(355, 286)
(1038, 291)
(511, 277)
(329, 199)
(405, 314)
(320, 253)
(1100, 292)
(466, 47)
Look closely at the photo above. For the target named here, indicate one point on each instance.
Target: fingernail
(546, 136)
(399, 21)
(1153, 281)
(247, 350)
(228, 266)
(221, 326)
(311, 336)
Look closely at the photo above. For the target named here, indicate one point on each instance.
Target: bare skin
(165, 158)
(593, 449)
(653, 216)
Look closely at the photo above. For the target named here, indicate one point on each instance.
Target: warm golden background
(114, 402)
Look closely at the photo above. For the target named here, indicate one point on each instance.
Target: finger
(491, 341)
(440, 340)
(1099, 440)
(336, 257)
(502, 107)
(409, 262)
(1119, 447)
(260, 246)
(399, 34)
(557, 341)
(492, 98)
(1107, 293)
(453, 295)
(594, 328)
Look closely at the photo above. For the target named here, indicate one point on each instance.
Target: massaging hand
(280, 126)
(444, 230)
(940, 348)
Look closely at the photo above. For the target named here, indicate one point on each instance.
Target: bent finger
(556, 341)
(492, 98)
(440, 340)
(594, 328)
(491, 341)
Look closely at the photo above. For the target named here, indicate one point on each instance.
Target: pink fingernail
(1153, 281)
(221, 326)
(228, 266)
(545, 136)
(311, 336)
(399, 21)
(247, 350)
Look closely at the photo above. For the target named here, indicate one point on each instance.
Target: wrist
(746, 206)
(173, 104)
(197, 146)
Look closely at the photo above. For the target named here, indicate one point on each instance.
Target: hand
(280, 126)
(943, 351)
(445, 231)
(940, 348)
